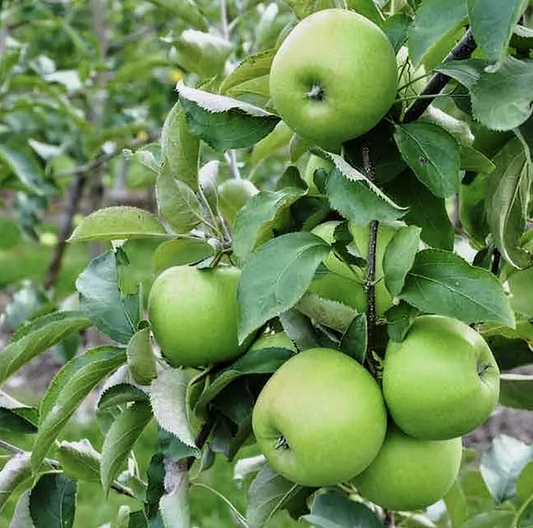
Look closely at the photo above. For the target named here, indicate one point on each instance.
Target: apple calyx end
(316, 93)
(482, 368)
(281, 443)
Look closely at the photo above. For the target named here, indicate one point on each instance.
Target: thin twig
(463, 50)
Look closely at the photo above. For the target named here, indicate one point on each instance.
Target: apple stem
(463, 50)
(388, 520)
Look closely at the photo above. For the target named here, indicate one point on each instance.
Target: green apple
(273, 340)
(233, 195)
(409, 473)
(343, 283)
(441, 381)
(194, 315)
(320, 419)
(361, 238)
(334, 77)
(313, 164)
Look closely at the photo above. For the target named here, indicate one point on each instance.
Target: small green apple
(313, 164)
(343, 283)
(194, 315)
(233, 195)
(320, 419)
(441, 381)
(333, 77)
(409, 473)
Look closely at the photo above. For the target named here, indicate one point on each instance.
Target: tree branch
(370, 285)
(463, 50)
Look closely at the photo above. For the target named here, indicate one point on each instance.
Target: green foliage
(79, 88)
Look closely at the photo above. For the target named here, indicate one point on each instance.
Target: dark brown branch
(75, 194)
(496, 260)
(370, 285)
(463, 50)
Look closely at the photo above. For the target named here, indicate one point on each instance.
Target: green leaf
(516, 391)
(222, 122)
(180, 149)
(26, 168)
(396, 28)
(79, 460)
(326, 312)
(267, 494)
(334, 509)
(368, 9)
(425, 210)
(53, 502)
(263, 361)
(356, 198)
(507, 202)
(433, 155)
(188, 10)
(524, 484)
(258, 216)
(276, 276)
(435, 21)
(173, 448)
(501, 99)
(502, 464)
(137, 520)
(154, 490)
(467, 72)
(174, 504)
(180, 252)
(118, 223)
(177, 203)
(354, 341)
(400, 317)
(456, 505)
(38, 336)
(270, 145)
(121, 394)
(168, 398)
(443, 283)
(199, 52)
(120, 439)
(251, 67)
(492, 24)
(399, 257)
(16, 417)
(141, 358)
(16, 470)
(493, 519)
(68, 389)
(102, 302)
(475, 161)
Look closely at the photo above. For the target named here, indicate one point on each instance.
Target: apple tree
(336, 299)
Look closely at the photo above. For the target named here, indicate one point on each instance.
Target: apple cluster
(322, 418)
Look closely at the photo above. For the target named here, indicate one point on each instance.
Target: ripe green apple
(320, 419)
(361, 238)
(194, 315)
(233, 195)
(333, 77)
(343, 283)
(441, 381)
(275, 340)
(409, 473)
(314, 163)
